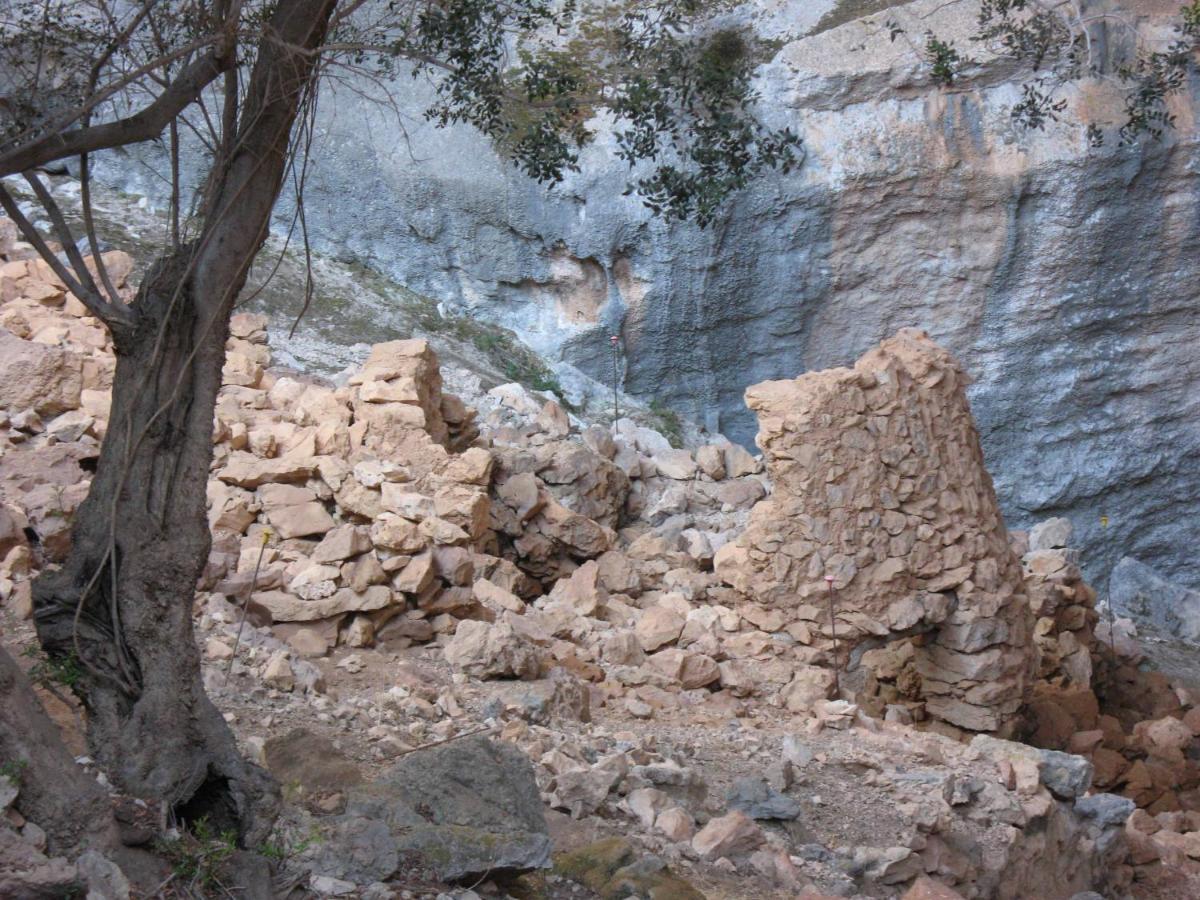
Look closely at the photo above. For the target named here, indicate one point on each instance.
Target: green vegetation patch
(667, 422)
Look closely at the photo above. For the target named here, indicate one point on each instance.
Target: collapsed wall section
(880, 485)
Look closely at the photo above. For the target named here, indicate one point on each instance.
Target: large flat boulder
(470, 809)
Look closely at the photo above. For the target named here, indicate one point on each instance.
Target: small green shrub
(49, 671)
(14, 770)
(198, 856)
(667, 421)
(943, 60)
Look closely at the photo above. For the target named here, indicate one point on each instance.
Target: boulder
(469, 809)
(493, 650)
(658, 626)
(675, 464)
(39, 377)
(342, 542)
(1137, 591)
(757, 799)
(733, 834)
(284, 607)
(1052, 534)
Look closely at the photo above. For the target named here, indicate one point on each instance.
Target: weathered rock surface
(470, 809)
(1138, 591)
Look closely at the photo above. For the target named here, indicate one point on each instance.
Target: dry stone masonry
(879, 485)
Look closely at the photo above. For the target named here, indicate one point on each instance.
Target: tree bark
(122, 601)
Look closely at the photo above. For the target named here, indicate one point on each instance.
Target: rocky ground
(490, 649)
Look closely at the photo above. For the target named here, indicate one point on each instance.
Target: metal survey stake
(615, 341)
(837, 686)
(266, 536)
(1112, 616)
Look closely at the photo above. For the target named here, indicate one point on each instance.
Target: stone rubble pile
(623, 610)
(388, 519)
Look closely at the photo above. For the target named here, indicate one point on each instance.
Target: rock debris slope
(585, 648)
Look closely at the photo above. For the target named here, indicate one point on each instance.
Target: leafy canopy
(534, 75)
(1063, 41)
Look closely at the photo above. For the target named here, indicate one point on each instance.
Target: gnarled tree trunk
(122, 602)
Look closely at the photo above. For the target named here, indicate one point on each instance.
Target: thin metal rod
(615, 341)
(266, 536)
(837, 684)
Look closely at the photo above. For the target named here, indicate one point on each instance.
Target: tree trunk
(122, 602)
(140, 542)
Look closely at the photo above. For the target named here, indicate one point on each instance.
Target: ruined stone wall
(879, 482)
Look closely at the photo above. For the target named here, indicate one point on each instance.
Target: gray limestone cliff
(1062, 276)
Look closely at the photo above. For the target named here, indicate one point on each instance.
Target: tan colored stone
(466, 507)
(343, 542)
(392, 532)
(278, 672)
(689, 670)
(404, 501)
(523, 495)
(733, 834)
(248, 471)
(582, 591)
(360, 573)
(657, 627)
(472, 466)
(300, 520)
(493, 650)
(416, 576)
(676, 824)
(925, 888)
(810, 685)
(675, 464)
(553, 420)
(284, 607)
(1163, 736)
(711, 461)
(496, 598)
(441, 531)
(739, 463)
(215, 648)
(34, 376)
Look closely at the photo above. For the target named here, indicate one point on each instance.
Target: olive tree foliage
(1062, 42)
(531, 74)
(241, 78)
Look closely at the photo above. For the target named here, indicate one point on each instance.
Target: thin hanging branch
(117, 318)
(85, 199)
(82, 273)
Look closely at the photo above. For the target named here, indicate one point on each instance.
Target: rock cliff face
(1062, 276)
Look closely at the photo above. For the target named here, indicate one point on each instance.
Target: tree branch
(143, 125)
(115, 317)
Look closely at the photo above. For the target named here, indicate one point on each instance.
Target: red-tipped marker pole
(615, 342)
